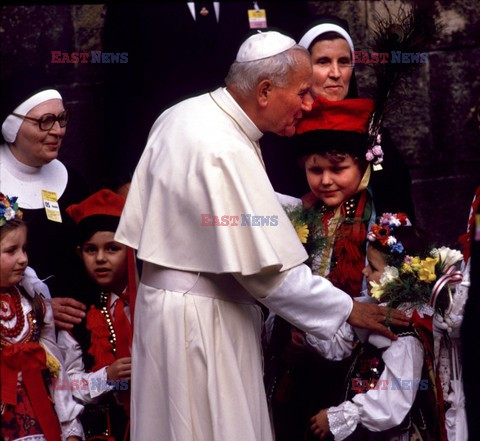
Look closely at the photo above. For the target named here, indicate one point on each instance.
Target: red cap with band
(349, 115)
(104, 203)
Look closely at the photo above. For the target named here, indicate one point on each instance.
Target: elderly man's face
(287, 104)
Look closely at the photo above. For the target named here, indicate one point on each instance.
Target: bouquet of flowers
(414, 279)
(305, 222)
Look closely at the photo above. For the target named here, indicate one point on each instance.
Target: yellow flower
(407, 268)
(427, 270)
(415, 263)
(376, 290)
(302, 232)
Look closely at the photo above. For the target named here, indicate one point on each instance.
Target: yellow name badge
(50, 202)
(257, 18)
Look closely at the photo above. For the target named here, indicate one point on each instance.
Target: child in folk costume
(30, 408)
(332, 221)
(392, 392)
(98, 354)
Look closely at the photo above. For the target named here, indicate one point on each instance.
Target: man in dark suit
(175, 50)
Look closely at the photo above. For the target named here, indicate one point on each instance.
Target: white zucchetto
(263, 45)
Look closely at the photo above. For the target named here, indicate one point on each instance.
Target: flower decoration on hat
(9, 209)
(375, 154)
(383, 231)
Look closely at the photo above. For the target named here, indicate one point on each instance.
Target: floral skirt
(19, 421)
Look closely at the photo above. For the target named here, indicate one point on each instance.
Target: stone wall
(433, 125)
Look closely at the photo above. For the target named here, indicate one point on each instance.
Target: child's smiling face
(376, 265)
(333, 180)
(105, 261)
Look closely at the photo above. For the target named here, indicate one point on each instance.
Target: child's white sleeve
(339, 347)
(386, 406)
(86, 387)
(66, 407)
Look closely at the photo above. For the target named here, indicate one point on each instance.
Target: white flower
(371, 237)
(369, 156)
(447, 257)
(391, 240)
(390, 273)
(9, 213)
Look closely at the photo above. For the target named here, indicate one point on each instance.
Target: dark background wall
(434, 126)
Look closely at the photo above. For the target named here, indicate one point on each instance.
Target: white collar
(27, 182)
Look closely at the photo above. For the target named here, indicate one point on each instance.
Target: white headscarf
(320, 29)
(12, 123)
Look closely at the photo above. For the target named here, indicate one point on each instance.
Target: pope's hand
(377, 318)
(67, 312)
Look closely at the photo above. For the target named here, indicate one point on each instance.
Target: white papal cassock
(197, 362)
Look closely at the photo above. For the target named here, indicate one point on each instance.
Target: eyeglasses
(47, 121)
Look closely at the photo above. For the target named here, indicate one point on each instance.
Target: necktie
(205, 14)
(206, 28)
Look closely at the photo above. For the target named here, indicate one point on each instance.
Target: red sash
(30, 360)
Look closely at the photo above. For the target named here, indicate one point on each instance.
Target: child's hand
(67, 312)
(120, 369)
(320, 425)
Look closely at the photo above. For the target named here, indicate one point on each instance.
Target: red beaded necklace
(11, 306)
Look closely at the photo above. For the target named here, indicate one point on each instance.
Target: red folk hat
(346, 115)
(335, 126)
(104, 202)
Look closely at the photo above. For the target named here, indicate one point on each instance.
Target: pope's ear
(264, 89)
(78, 249)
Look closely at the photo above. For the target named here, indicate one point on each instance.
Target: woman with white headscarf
(33, 125)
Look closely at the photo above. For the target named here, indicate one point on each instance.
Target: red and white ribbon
(451, 277)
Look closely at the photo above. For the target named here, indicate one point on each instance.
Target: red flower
(402, 217)
(381, 232)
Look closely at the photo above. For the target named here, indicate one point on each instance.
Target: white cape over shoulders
(202, 158)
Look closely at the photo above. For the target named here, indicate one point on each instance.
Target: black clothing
(51, 245)
(171, 57)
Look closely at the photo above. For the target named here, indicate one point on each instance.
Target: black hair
(88, 226)
(331, 143)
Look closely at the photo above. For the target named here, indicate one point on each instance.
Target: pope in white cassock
(197, 361)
